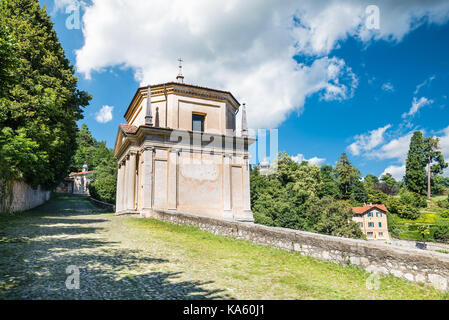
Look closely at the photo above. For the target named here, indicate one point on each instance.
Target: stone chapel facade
(179, 152)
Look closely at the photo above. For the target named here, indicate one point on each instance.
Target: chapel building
(179, 152)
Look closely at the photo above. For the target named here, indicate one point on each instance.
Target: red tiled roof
(369, 207)
(129, 128)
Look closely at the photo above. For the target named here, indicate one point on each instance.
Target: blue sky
(357, 91)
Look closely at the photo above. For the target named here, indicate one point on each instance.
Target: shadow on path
(37, 246)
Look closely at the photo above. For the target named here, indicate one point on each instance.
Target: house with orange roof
(372, 220)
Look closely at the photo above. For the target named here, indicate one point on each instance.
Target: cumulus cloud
(105, 114)
(416, 105)
(246, 47)
(394, 149)
(315, 160)
(369, 141)
(397, 172)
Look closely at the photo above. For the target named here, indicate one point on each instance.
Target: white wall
(24, 197)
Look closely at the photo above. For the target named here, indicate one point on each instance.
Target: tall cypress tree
(345, 175)
(39, 112)
(435, 160)
(415, 174)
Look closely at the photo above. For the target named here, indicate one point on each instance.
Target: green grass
(430, 216)
(132, 258)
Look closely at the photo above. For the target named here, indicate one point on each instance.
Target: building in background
(372, 220)
(77, 182)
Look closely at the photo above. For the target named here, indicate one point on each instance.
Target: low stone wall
(102, 204)
(412, 264)
(24, 197)
(432, 246)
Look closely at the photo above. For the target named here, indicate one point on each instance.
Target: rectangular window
(381, 234)
(370, 214)
(379, 214)
(361, 224)
(198, 122)
(371, 224)
(380, 224)
(370, 234)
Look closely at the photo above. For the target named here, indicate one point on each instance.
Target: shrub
(408, 212)
(445, 214)
(393, 204)
(443, 204)
(412, 199)
(441, 231)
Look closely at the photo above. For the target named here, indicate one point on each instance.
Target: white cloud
(397, 172)
(416, 105)
(394, 149)
(369, 141)
(425, 83)
(388, 87)
(315, 160)
(105, 114)
(243, 46)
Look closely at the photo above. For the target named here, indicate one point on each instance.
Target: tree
(286, 168)
(40, 107)
(370, 181)
(415, 174)
(104, 187)
(307, 179)
(433, 155)
(329, 186)
(346, 175)
(8, 59)
(358, 191)
(328, 216)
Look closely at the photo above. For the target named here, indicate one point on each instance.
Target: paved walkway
(37, 247)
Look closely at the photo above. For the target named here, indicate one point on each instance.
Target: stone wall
(431, 268)
(102, 204)
(24, 197)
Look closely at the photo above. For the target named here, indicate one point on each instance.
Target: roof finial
(149, 114)
(244, 122)
(180, 77)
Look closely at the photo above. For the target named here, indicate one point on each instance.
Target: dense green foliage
(105, 180)
(302, 196)
(441, 231)
(39, 99)
(318, 199)
(99, 159)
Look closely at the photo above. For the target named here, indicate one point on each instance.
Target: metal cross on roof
(180, 77)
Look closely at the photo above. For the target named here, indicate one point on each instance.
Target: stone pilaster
(131, 180)
(172, 179)
(248, 215)
(147, 182)
(124, 194)
(118, 204)
(227, 194)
